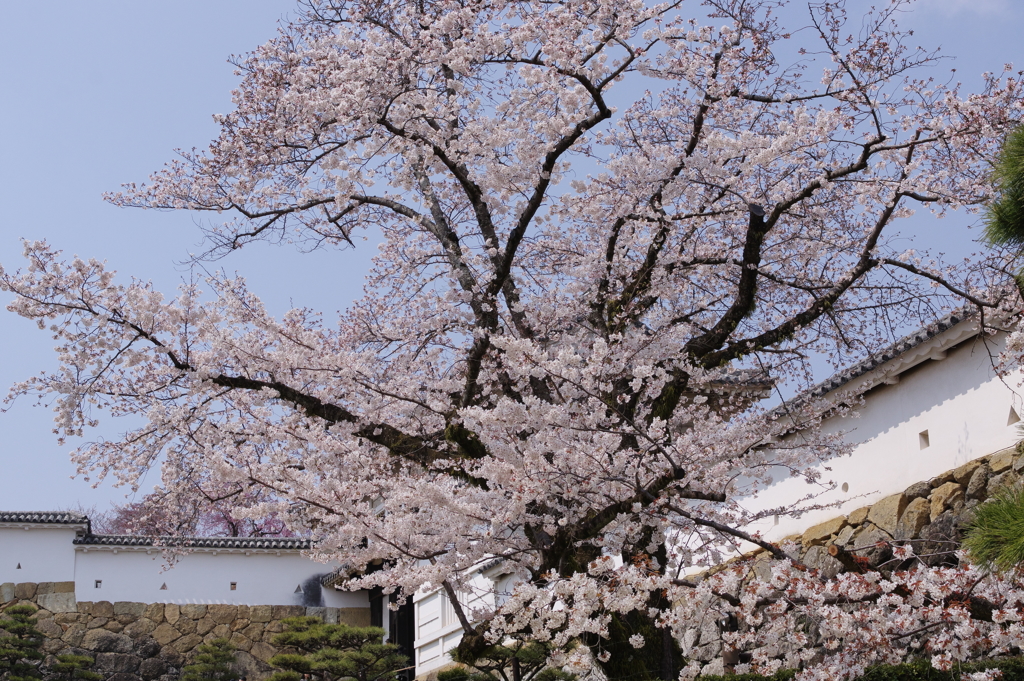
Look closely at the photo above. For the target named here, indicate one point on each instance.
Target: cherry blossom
(608, 228)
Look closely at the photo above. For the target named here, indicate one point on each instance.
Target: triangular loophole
(1013, 418)
(298, 589)
(19, 567)
(163, 587)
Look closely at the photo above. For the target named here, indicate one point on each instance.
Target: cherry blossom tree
(607, 227)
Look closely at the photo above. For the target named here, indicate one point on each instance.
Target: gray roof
(44, 517)
(905, 344)
(265, 543)
(877, 359)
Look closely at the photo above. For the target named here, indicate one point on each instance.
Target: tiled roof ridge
(293, 543)
(876, 359)
(44, 517)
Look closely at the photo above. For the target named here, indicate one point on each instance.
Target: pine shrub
(19, 649)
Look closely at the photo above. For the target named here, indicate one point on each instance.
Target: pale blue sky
(96, 94)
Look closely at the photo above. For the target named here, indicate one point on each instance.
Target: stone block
(49, 628)
(817, 558)
(243, 612)
(146, 647)
(871, 542)
(124, 676)
(331, 615)
(914, 518)
(152, 668)
(316, 611)
(63, 602)
(940, 480)
(25, 591)
(979, 482)
(845, 535)
(918, 489)
(945, 496)
(103, 609)
(1018, 463)
(886, 513)
(356, 617)
(284, 611)
(240, 642)
(1008, 478)
(186, 626)
(63, 587)
(249, 666)
(205, 626)
(7, 592)
(171, 613)
(193, 611)
(140, 627)
(238, 625)
(254, 632)
(114, 626)
(172, 657)
(220, 631)
(74, 635)
(154, 612)
(103, 641)
(44, 588)
(129, 608)
(1001, 461)
(165, 633)
(859, 516)
(222, 614)
(262, 651)
(963, 474)
(69, 617)
(260, 613)
(96, 622)
(186, 644)
(52, 646)
(117, 662)
(822, 532)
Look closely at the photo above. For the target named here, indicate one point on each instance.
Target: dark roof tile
(48, 517)
(266, 543)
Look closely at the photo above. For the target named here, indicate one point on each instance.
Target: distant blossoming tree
(605, 225)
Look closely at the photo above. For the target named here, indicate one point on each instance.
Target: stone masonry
(151, 641)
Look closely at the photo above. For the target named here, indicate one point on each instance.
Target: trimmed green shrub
(75, 668)
(994, 538)
(19, 650)
(212, 662)
(332, 651)
(496, 663)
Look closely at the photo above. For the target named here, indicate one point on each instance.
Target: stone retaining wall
(928, 515)
(151, 641)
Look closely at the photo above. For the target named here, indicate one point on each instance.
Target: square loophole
(98, 584)
(923, 440)
(234, 586)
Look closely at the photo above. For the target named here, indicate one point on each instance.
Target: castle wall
(151, 641)
(958, 402)
(204, 576)
(41, 553)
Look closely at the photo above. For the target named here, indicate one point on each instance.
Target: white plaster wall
(438, 630)
(45, 553)
(261, 578)
(958, 400)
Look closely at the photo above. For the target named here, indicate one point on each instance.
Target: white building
(931, 402)
(58, 547)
